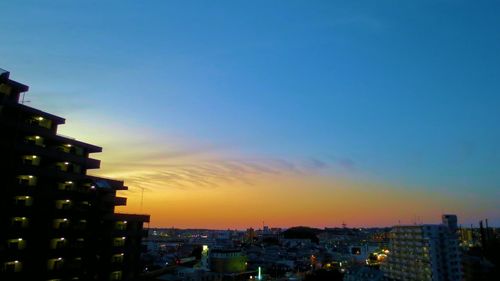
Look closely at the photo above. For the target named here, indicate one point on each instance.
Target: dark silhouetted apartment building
(57, 222)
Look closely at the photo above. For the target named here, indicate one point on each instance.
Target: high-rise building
(424, 252)
(57, 222)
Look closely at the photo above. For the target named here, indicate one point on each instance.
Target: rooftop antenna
(142, 196)
(344, 225)
(23, 101)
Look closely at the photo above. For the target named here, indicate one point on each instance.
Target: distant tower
(450, 221)
(483, 234)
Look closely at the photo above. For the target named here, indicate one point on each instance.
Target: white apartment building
(424, 252)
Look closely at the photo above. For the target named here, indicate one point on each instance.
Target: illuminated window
(42, 122)
(55, 264)
(60, 223)
(65, 147)
(115, 275)
(63, 166)
(16, 244)
(121, 225)
(23, 201)
(27, 180)
(19, 222)
(58, 243)
(63, 204)
(67, 185)
(31, 160)
(12, 266)
(118, 258)
(118, 241)
(68, 167)
(36, 140)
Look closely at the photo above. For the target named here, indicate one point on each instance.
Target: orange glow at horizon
(208, 188)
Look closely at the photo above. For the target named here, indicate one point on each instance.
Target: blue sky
(379, 91)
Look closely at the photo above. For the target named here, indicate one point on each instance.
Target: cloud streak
(198, 167)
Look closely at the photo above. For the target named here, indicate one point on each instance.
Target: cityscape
(281, 140)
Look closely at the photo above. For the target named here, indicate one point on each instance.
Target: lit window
(19, 222)
(118, 258)
(36, 140)
(60, 223)
(58, 243)
(65, 147)
(63, 204)
(27, 180)
(55, 263)
(118, 241)
(31, 160)
(121, 225)
(63, 166)
(13, 266)
(42, 122)
(17, 244)
(23, 201)
(67, 185)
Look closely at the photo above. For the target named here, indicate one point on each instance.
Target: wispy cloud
(346, 163)
(196, 167)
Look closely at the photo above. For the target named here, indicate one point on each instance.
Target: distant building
(227, 261)
(57, 222)
(250, 235)
(424, 252)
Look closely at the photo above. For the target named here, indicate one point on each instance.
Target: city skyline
(369, 115)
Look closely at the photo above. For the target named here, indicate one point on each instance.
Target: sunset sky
(229, 114)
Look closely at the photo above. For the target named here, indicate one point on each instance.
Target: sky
(235, 114)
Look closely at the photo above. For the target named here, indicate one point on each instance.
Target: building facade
(424, 252)
(57, 222)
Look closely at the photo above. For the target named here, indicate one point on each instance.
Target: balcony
(120, 201)
(55, 154)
